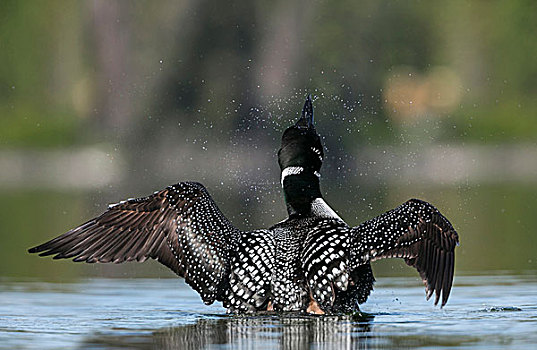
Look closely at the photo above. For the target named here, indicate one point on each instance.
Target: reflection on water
(259, 332)
(493, 311)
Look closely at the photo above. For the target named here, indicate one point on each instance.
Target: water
(498, 311)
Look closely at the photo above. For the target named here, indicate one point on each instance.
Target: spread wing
(180, 226)
(416, 232)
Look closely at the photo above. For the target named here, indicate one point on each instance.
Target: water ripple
(162, 313)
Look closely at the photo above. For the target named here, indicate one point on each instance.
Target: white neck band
(291, 170)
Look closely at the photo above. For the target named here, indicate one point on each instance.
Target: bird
(311, 262)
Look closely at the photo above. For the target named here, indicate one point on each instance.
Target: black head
(301, 145)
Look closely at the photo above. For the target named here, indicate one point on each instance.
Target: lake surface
(486, 311)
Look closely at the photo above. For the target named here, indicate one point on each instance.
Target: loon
(313, 261)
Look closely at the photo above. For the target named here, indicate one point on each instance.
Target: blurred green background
(104, 100)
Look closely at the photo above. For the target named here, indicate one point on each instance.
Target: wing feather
(180, 226)
(417, 232)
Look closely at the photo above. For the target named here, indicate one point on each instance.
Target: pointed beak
(306, 119)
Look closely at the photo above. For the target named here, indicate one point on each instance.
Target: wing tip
(42, 249)
(440, 294)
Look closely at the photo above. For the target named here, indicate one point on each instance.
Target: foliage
(214, 61)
